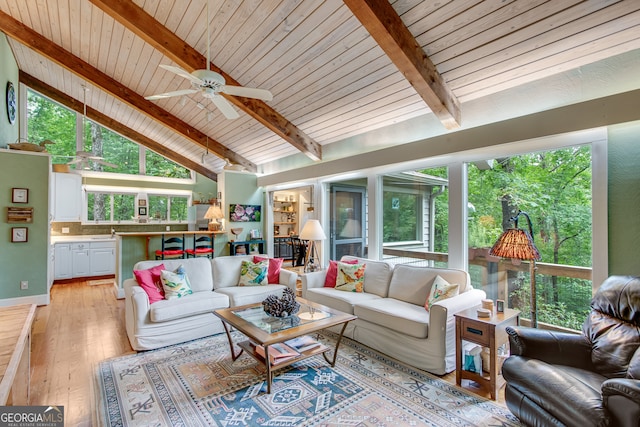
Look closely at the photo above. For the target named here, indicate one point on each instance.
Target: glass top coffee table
(265, 330)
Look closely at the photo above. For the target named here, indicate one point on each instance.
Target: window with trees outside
(415, 209)
(554, 189)
(47, 119)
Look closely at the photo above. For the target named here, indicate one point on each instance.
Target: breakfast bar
(132, 247)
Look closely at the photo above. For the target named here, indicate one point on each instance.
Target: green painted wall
(24, 261)
(8, 73)
(239, 187)
(624, 198)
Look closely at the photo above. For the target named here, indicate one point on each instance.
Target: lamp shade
(515, 243)
(352, 229)
(214, 212)
(312, 230)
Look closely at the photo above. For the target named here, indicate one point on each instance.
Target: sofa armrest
(461, 302)
(442, 323)
(557, 348)
(137, 300)
(314, 279)
(622, 399)
(288, 278)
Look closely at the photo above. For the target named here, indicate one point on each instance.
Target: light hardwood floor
(82, 326)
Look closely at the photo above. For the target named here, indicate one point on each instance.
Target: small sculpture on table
(281, 307)
(236, 232)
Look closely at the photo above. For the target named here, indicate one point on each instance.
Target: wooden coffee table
(265, 330)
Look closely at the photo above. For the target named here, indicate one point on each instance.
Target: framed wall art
(19, 234)
(244, 213)
(142, 211)
(20, 195)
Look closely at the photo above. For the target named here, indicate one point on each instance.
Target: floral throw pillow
(350, 277)
(253, 274)
(441, 290)
(175, 283)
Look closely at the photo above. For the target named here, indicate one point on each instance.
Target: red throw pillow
(273, 273)
(149, 280)
(332, 272)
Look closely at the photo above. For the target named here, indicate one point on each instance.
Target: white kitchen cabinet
(81, 259)
(63, 261)
(84, 258)
(67, 197)
(103, 258)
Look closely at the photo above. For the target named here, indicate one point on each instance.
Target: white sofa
(213, 283)
(391, 314)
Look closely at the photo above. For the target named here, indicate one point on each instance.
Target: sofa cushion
(149, 280)
(376, 276)
(332, 272)
(400, 316)
(253, 274)
(190, 305)
(226, 270)
(339, 300)
(411, 284)
(241, 295)
(441, 290)
(350, 277)
(198, 270)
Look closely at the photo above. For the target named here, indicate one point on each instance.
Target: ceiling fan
(211, 85)
(84, 158)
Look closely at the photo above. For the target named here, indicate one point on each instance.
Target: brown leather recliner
(588, 379)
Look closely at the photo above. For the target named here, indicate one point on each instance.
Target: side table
(487, 332)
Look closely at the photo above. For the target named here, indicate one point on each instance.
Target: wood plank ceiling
(329, 77)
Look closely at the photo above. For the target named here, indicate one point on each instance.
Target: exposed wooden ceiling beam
(146, 27)
(57, 54)
(387, 29)
(96, 116)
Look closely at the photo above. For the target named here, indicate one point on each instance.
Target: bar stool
(172, 247)
(202, 246)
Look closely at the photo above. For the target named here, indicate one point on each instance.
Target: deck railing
(488, 273)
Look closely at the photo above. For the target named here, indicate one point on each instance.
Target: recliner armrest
(558, 348)
(621, 397)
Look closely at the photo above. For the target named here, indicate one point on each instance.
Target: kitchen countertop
(82, 238)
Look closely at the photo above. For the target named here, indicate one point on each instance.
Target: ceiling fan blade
(247, 92)
(170, 94)
(225, 107)
(74, 161)
(110, 165)
(182, 73)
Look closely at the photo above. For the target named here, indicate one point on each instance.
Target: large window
(48, 120)
(119, 207)
(415, 216)
(554, 189)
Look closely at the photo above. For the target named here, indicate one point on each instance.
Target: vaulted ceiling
(336, 68)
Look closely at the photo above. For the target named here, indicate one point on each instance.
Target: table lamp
(312, 232)
(214, 213)
(516, 243)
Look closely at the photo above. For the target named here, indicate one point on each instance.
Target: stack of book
(278, 353)
(303, 343)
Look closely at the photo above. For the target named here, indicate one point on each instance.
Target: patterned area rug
(197, 384)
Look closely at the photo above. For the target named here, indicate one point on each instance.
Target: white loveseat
(213, 283)
(391, 314)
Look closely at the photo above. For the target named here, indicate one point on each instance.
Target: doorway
(347, 222)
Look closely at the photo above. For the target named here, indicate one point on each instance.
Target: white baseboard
(31, 299)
